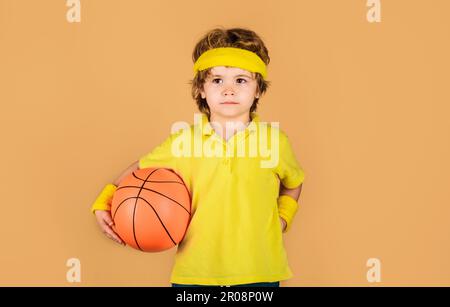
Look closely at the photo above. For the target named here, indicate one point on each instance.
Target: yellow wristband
(103, 201)
(287, 208)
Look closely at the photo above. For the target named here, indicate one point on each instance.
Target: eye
(242, 80)
(215, 79)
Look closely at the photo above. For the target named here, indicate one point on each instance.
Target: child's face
(229, 84)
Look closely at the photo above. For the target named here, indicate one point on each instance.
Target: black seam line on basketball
(147, 189)
(135, 205)
(149, 175)
(187, 190)
(162, 223)
(163, 181)
(121, 203)
(134, 210)
(134, 232)
(132, 197)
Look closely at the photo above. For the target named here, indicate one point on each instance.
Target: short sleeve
(289, 171)
(161, 156)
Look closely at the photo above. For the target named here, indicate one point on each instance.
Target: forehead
(229, 71)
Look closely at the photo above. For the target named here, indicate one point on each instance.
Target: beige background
(366, 106)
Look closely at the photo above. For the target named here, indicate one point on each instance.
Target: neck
(235, 124)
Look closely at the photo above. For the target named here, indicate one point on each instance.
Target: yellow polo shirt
(234, 236)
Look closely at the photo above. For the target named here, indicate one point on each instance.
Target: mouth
(229, 102)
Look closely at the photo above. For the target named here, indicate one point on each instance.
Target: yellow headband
(230, 56)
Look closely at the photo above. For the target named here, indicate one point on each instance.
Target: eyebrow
(240, 75)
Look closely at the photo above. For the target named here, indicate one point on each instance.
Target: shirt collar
(207, 129)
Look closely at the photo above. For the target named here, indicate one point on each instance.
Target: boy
(239, 208)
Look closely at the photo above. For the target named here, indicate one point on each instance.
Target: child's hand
(283, 224)
(106, 223)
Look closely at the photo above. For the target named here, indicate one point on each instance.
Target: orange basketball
(151, 209)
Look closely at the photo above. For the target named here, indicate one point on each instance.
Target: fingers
(283, 224)
(108, 220)
(107, 230)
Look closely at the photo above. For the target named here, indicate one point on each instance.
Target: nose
(228, 91)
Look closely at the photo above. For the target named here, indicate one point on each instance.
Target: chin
(228, 113)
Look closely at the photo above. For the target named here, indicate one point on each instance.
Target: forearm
(294, 193)
(103, 201)
(126, 172)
